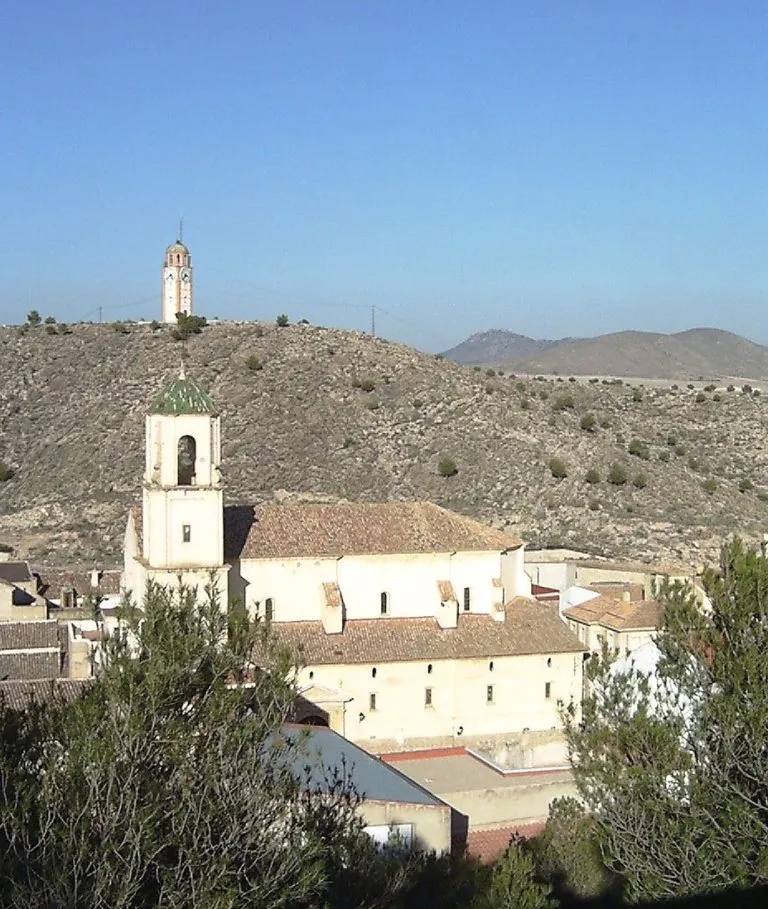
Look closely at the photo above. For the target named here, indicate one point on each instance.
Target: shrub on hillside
(282, 320)
(592, 476)
(709, 486)
(254, 363)
(640, 481)
(33, 318)
(563, 402)
(745, 484)
(639, 449)
(588, 422)
(637, 396)
(447, 467)
(558, 468)
(617, 475)
(6, 472)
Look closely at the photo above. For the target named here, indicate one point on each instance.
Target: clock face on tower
(186, 276)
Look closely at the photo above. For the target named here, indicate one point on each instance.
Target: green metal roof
(183, 395)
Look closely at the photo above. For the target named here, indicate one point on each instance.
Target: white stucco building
(410, 622)
(176, 290)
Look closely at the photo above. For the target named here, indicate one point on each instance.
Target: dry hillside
(327, 414)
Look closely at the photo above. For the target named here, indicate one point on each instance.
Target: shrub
(693, 463)
(588, 422)
(671, 441)
(254, 363)
(490, 373)
(640, 481)
(50, 320)
(520, 386)
(746, 389)
(366, 385)
(639, 449)
(593, 381)
(187, 326)
(617, 475)
(731, 388)
(701, 397)
(417, 403)
(6, 472)
(372, 404)
(745, 484)
(592, 476)
(33, 318)
(154, 325)
(50, 330)
(762, 496)
(477, 368)
(680, 450)
(282, 320)
(558, 468)
(64, 329)
(594, 505)
(447, 467)
(303, 321)
(525, 403)
(756, 393)
(120, 327)
(664, 457)
(543, 394)
(637, 396)
(717, 397)
(605, 423)
(709, 387)
(563, 402)
(709, 486)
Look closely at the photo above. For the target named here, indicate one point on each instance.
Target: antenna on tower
(181, 230)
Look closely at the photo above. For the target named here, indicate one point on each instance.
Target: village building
(621, 624)
(19, 600)
(412, 624)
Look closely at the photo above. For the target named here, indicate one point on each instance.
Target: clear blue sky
(554, 168)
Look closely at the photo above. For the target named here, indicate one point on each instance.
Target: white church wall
(459, 706)
(295, 586)
(515, 581)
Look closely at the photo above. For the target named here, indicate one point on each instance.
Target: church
(412, 625)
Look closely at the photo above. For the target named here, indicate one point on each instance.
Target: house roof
(183, 396)
(663, 568)
(54, 580)
(15, 572)
(26, 635)
(529, 628)
(354, 528)
(19, 694)
(617, 614)
(30, 664)
(325, 751)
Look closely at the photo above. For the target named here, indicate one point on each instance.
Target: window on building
(467, 599)
(549, 662)
(67, 598)
(489, 694)
(547, 690)
(269, 609)
(429, 669)
(186, 533)
(186, 452)
(427, 697)
(490, 666)
(371, 701)
(373, 673)
(384, 603)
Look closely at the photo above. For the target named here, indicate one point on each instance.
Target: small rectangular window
(547, 690)
(269, 609)
(371, 701)
(489, 694)
(186, 533)
(466, 599)
(384, 603)
(427, 697)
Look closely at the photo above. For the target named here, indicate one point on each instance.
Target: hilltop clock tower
(177, 282)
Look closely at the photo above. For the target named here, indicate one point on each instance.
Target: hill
(705, 352)
(324, 414)
(496, 346)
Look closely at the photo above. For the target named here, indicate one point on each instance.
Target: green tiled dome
(183, 395)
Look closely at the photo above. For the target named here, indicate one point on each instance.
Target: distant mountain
(496, 346)
(707, 352)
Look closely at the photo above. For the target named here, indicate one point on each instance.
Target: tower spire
(181, 230)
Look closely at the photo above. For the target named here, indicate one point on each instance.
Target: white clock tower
(177, 282)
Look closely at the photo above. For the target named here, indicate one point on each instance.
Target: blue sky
(554, 168)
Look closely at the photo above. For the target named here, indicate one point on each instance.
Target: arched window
(187, 452)
(384, 603)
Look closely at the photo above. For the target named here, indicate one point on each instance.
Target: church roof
(178, 245)
(182, 396)
(529, 628)
(355, 528)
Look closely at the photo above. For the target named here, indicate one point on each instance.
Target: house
(68, 589)
(19, 601)
(392, 805)
(410, 622)
(620, 623)
(30, 650)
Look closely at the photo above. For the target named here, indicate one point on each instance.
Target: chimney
(95, 577)
(626, 595)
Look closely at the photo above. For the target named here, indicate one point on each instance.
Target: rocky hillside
(324, 414)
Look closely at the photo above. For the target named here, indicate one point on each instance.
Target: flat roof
(462, 772)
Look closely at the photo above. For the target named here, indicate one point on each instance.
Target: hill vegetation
(331, 414)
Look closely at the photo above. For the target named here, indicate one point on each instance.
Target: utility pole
(373, 321)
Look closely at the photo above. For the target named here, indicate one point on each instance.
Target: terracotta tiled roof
(529, 628)
(616, 614)
(20, 664)
(15, 572)
(488, 844)
(25, 635)
(54, 580)
(19, 694)
(354, 528)
(617, 589)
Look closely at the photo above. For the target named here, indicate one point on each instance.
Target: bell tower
(177, 281)
(183, 507)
